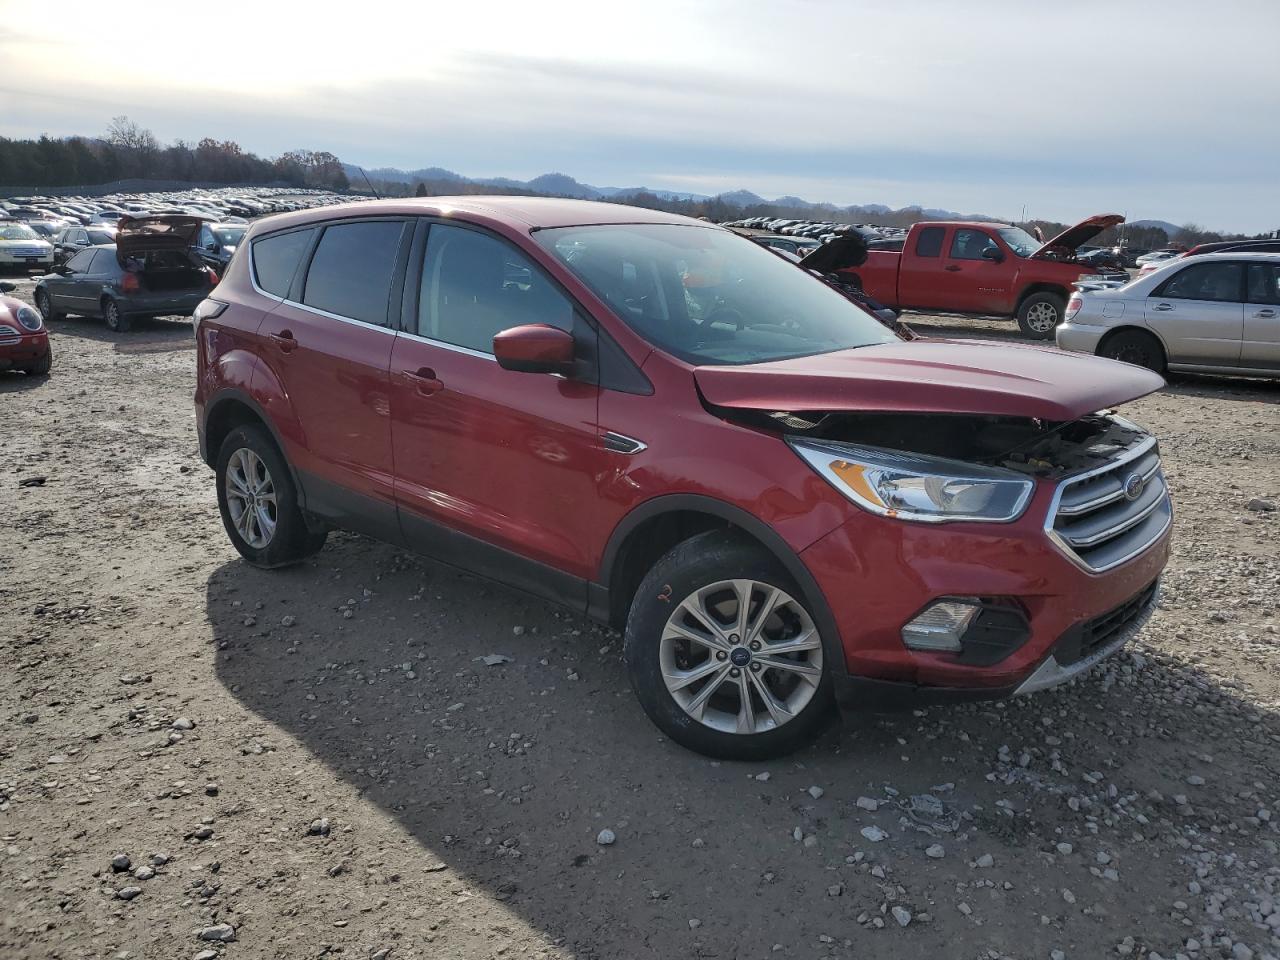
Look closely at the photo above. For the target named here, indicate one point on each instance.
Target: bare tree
(123, 132)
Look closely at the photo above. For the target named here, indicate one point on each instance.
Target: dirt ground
(317, 761)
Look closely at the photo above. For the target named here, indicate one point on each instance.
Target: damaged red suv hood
(932, 376)
(138, 235)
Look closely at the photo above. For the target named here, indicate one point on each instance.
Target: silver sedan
(1215, 313)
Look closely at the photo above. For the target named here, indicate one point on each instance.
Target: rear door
(1261, 342)
(1199, 313)
(495, 470)
(920, 269)
(329, 343)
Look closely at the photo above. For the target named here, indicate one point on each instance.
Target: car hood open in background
(1084, 231)
(932, 376)
(138, 235)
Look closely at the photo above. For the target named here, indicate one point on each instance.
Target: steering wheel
(724, 315)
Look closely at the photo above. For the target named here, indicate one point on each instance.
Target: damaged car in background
(150, 271)
(784, 505)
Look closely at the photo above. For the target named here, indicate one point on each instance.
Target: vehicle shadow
(505, 774)
(144, 336)
(15, 381)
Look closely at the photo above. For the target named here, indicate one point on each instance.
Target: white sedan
(20, 246)
(1214, 313)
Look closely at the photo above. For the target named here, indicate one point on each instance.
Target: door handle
(1163, 306)
(424, 378)
(1265, 313)
(285, 341)
(951, 268)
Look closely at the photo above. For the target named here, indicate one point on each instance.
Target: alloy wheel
(1042, 317)
(251, 498)
(741, 656)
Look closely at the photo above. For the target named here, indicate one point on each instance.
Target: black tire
(291, 540)
(1136, 347)
(44, 303)
(699, 562)
(1035, 313)
(117, 320)
(42, 366)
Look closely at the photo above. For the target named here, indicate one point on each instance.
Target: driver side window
(474, 286)
(969, 244)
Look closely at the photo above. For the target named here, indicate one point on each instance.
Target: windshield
(1019, 241)
(229, 236)
(709, 296)
(17, 231)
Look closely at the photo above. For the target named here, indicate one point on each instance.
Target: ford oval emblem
(1133, 486)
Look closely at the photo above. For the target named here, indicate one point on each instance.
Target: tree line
(127, 151)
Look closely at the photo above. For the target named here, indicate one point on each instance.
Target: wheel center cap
(740, 656)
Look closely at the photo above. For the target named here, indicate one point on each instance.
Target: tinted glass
(1204, 281)
(350, 274)
(929, 243)
(276, 259)
(80, 262)
(1264, 283)
(104, 261)
(969, 244)
(708, 296)
(102, 236)
(475, 286)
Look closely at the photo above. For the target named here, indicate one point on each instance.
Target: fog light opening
(939, 626)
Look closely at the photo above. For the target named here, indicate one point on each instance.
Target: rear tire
(692, 658)
(259, 503)
(44, 303)
(1136, 347)
(116, 320)
(1040, 314)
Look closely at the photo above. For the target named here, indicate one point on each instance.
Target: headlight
(909, 486)
(29, 318)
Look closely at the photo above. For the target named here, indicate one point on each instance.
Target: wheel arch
(645, 534)
(233, 408)
(1042, 286)
(1134, 328)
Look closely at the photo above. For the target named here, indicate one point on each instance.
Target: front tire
(1136, 347)
(723, 652)
(1040, 314)
(259, 503)
(42, 366)
(116, 320)
(44, 303)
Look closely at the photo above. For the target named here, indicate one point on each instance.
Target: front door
(495, 470)
(329, 343)
(1261, 343)
(1199, 312)
(971, 282)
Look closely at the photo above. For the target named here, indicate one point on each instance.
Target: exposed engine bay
(1036, 447)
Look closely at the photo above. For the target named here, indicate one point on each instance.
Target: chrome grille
(1104, 517)
(9, 335)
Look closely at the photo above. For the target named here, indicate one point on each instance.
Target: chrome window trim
(337, 316)
(455, 348)
(1141, 450)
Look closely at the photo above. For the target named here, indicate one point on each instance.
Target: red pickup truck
(985, 268)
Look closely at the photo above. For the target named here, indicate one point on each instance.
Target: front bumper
(29, 349)
(1079, 337)
(10, 259)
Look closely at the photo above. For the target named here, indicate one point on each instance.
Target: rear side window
(929, 242)
(104, 261)
(276, 259)
(1204, 281)
(80, 262)
(475, 286)
(350, 274)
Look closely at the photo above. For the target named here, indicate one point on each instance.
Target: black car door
(65, 287)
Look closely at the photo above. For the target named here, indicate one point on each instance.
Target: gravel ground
(200, 759)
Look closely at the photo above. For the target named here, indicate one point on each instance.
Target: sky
(1064, 108)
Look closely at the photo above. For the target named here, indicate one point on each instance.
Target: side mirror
(7, 287)
(994, 254)
(534, 348)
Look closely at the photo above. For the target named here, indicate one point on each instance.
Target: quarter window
(969, 244)
(475, 286)
(1264, 283)
(929, 243)
(276, 259)
(1204, 281)
(350, 274)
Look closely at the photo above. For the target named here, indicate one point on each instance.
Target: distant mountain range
(1172, 229)
(563, 185)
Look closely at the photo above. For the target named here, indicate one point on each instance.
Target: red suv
(783, 504)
